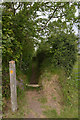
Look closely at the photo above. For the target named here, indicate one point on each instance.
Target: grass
(69, 89)
(21, 100)
(50, 113)
(22, 108)
(54, 98)
(69, 112)
(43, 100)
(66, 113)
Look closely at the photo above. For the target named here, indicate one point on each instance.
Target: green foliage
(11, 48)
(64, 50)
(61, 51)
(23, 28)
(16, 44)
(70, 87)
(20, 92)
(69, 90)
(6, 85)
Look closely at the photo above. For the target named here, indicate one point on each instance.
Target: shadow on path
(34, 75)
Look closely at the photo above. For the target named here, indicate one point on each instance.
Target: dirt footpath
(34, 106)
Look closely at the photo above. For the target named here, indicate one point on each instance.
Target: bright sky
(46, 16)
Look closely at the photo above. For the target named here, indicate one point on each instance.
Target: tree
(27, 25)
(9, 51)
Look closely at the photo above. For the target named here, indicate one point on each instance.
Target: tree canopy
(29, 25)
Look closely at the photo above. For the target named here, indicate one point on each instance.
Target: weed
(43, 100)
(69, 112)
(69, 89)
(51, 113)
(54, 98)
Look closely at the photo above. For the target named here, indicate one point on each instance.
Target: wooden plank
(32, 85)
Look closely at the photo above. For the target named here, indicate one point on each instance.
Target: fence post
(12, 71)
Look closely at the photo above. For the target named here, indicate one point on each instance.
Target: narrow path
(33, 79)
(31, 105)
(34, 106)
(33, 97)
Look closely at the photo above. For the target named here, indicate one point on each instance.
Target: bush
(6, 85)
(60, 50)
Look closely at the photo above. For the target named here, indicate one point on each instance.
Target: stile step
(32, 85)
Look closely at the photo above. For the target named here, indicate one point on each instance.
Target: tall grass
(69, 89)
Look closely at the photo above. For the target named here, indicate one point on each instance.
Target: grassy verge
(69, 89)
(22, 103)
(67, 113)
(22, 108)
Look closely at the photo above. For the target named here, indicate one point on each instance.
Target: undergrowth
(20, 113)
(69, 89)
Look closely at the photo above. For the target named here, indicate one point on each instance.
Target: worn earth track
(33, 96)
(33, 79)
(34, 106)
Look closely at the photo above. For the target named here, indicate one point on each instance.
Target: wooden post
(12, 71)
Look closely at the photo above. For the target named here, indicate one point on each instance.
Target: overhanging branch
(52, 16)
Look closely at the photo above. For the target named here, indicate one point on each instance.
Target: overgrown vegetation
(59, 50)
(69, 89)
(21, 112)
(47, 43)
